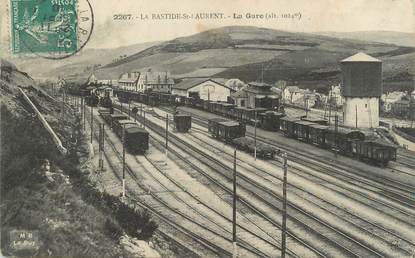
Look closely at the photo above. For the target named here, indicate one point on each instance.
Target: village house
(390, 98)
(129, 81)
(335, 95)
(203, 88)
(155, 81)
(101, 78)
(256, 94)
(292, 94)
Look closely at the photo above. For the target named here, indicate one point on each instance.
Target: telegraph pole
(101, 146)
(284, 206)
(336, 125)
(92, 121)
(167, 134)
(83, 111)
(123, 162)
(255, 135)
(63, 105)
(235, 246)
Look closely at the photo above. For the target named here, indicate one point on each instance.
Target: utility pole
(92, 121)
(255, 114)
(235, 246)
(167, 134)
(329, 108)
(336, 125)
(123, 162)
(63, 105)
(101, 146)
(284, 206)
(83, 112)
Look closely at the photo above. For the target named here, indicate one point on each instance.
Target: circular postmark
(52, 29)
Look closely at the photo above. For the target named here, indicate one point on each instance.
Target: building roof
(129, 77)
(193, 82)
(151, 77)
(360, 57)
(259, 84)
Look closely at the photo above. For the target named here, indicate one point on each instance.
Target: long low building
(203, 88)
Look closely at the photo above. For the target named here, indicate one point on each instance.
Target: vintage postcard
(207, 128)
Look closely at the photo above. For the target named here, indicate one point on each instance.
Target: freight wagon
(182, 122)
(311, 130)
(226, 130)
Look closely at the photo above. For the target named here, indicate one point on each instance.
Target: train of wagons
(135, 137)
(346, 141)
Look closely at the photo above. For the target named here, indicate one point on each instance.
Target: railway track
(243, 244)
(372, 252)
(364, 223)
(388, 187)
(195, 237)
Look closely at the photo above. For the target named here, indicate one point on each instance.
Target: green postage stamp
(49, 27)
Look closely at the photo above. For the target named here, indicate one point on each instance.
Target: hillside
(244, 52)
(388, 37)
(82, 62)
(64, 212)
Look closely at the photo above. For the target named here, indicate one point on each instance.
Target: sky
(308, 16)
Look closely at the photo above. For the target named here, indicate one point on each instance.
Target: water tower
(361, 89)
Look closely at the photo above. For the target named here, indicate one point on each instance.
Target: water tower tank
(361, 89)
(361, 76)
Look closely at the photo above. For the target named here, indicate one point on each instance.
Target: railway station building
(203, 88)
(255, 95)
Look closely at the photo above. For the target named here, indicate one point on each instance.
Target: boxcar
(119, 125)
(270, 120)
(136, 139)
(206, 105)
(342, 140)
(317, 134)
(302, 130)
(229, 130)
(182, 122)
(113, 117)
(239, 112)
(376, 151)
(213, 125)
(226, 109)
(287, 126)
(226, 130)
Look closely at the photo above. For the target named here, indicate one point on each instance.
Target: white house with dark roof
(128, 81)
(155, 81)
(203, 88)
